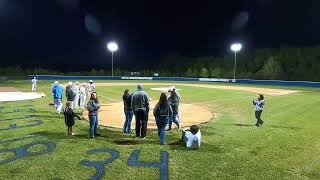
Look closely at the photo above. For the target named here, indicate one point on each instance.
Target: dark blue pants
(141, 123)
(93, 125)
(128, 120)
(161, 124)
(174, 119)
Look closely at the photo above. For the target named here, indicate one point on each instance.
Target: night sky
(52, 32)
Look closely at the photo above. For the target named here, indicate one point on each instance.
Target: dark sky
(55, 32)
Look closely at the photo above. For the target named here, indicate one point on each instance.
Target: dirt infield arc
(112, 115)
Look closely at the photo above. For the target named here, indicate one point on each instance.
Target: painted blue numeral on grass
(19, 139)
(163, 165)
(23, 151)
(99, 165)
(20, 118)
(14, 126)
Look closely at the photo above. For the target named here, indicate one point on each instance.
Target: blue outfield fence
(239, 81)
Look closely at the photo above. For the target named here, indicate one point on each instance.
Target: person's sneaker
(73, 133)
(168, 129)
(98, 134)
(137, 137)
(91, 136)
(144, 137)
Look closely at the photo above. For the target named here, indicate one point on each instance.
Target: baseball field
(34, 143)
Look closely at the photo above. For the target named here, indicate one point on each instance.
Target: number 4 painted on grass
(163, 165)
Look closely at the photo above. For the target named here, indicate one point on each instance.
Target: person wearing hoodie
(57, 96)
(140, 107)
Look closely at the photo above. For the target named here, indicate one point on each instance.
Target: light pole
(112, 47)
(236, 47)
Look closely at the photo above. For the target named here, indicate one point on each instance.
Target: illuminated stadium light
(235, 47)
(112, 47)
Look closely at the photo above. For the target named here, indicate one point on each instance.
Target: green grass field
(286, 147)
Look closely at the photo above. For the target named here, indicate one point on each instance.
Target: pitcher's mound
(112, 115)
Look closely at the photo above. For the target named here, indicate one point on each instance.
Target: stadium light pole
(235, 47)
(112, 47)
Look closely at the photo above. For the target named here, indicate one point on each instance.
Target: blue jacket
(93, 108)
(57, 92)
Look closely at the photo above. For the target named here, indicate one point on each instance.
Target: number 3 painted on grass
(99, 165)
(163, 165)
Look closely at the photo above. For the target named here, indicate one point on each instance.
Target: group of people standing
(76, 97)
(166, 111)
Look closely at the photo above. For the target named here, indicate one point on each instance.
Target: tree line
(289, 63)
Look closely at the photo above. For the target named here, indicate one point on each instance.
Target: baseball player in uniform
(82, 96)
(34, 84)
(91, 88)
(76, 98)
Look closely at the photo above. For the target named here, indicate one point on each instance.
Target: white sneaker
(73, 133)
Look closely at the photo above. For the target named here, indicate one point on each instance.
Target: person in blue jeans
(174, 101)
(162, 113)
(93, 106)
(127, 111)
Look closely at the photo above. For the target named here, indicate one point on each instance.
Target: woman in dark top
(127, 111)
(162, 113)
(69, 117)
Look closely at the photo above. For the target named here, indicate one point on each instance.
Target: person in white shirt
(82, 96)
(76, 98)
(192, 137)
(34, 84)
(91, 88)
(258, 106)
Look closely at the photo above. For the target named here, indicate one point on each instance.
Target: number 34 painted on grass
(132, 161)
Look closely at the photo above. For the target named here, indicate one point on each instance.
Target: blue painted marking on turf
(100, 165)
(22, 151)
(14, 126)
(19, 139)
(22, 110)
(20, 118)
(163, 165)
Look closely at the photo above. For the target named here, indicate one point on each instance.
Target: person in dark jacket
(70, 94)
(162, 113)
(140, 107)
(174, 101)
(93, 106)
(69, 118)
(259, 104)
(127, 111)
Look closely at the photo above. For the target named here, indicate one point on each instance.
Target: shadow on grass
(266, 125)
(60, 135)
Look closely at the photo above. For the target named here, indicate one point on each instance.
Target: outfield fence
(239, 81)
